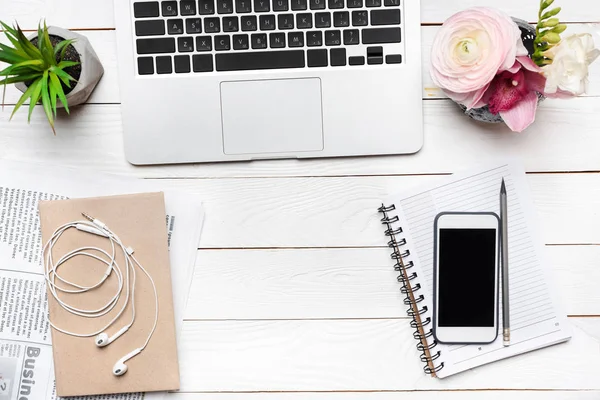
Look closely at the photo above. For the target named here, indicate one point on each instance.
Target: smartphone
(466, 261)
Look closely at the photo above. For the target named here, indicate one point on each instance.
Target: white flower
(568, 74)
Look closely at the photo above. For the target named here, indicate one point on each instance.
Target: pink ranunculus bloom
(514, 93)
(472, 47)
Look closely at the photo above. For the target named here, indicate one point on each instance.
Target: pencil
(504, 244)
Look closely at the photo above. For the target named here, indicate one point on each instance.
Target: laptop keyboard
(201, 36)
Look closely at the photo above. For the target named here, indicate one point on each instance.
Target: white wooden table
(294, 296)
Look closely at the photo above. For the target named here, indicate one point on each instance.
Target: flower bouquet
(480, 61)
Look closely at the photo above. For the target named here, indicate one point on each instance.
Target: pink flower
(470, 49)
(513, 94)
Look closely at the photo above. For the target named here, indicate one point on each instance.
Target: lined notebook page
(536, 319)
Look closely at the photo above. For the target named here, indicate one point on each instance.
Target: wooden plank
(107, 91)
(410, 395)
(99, 14)
(356, 355)
(341, 212)
(344, 283)
(92, 137)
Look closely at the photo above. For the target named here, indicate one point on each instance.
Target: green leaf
(10, 56)
(59, 91)
(28, 47)
(8, 29)
(35, 97)
(61, 46)
(20, 78)
(67, 64)
(22, 100)
(551, 13)
(48, 45)
(66, 78)
(46, 101)
(53, 95)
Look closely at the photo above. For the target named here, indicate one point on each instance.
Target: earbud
(102, 339)
(120, 368)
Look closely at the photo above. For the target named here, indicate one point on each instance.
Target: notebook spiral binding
(410, 289)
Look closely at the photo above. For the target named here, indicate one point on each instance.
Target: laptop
(230, 80)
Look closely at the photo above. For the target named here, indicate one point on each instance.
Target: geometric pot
(91, 68)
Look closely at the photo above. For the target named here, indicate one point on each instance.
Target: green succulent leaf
(59, 91)
(36, 94)
(22, 100)
(46, 101)
(53, 94)
(21, 78)
(62, 45)
(67, 64)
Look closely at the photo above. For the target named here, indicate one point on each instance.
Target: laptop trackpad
(272, 116)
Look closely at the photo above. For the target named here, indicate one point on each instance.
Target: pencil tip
(503, 188)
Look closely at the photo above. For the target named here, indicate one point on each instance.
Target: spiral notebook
(536, 318)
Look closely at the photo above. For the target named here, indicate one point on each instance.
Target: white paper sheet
(26, 368)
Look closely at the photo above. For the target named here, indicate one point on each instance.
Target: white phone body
(466, 276)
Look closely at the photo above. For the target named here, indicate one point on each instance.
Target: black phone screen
(467, 262)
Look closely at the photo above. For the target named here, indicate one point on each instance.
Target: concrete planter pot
(91, 68)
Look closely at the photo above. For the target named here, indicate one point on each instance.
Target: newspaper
(26, 367)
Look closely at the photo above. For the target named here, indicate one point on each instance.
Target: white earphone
(120, 368)
(103, 340)
(126, 284)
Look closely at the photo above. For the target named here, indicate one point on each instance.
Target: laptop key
(304, 20)
(222, 43)
(185, 44)
(341, 19)
(203, 43)
(146, 9)
(182, 64)
(169, 8)
(150, 27)
(296, 39)
(385, 17)
(323, 20)
(267, 22)
(262, 6)
(243, 6)
(381, 35)
(317, 58)
(317, 4)
(203, 62)
(188, 7)
(393, 59)
(231, 24)
(175, 26)
(206, 7)
(285, 21)
(155, 46)
(225, 6)
(360, 18)
(314, 38)
(334, 4)
(351, 36)
(333, 38)
(241, 42)
(373, 3)
(255, 60)
(249, 23)
(280, 5)
(358, 60)
(164, 65)
(212, 25)
(391, 3)
(259, 41)
(355, 3)
(145, 65)
(277, 40)
(338, 57)
(299, 5)
(193, 25)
